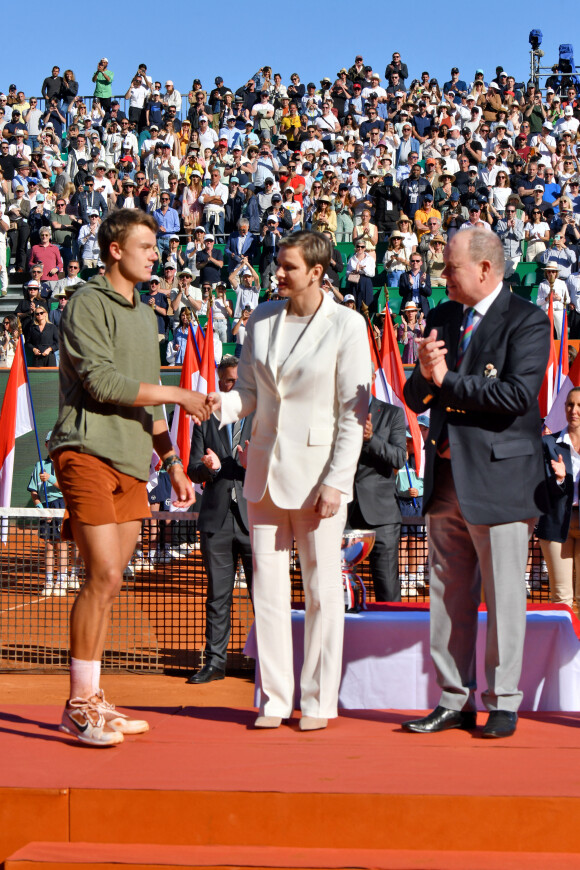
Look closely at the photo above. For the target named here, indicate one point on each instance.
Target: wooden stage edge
(203, 788)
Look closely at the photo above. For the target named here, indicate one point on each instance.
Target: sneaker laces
(102, 701)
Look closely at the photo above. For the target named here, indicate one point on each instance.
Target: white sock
(62, 578)
(96, 676)
(48, 577)
(81, 678)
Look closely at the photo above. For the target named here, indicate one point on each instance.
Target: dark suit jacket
(554, 524)
(494, 423)
(374, 481)
(248, 249)
(217, 496)
(406, 292)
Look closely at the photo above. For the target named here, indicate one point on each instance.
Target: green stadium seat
(438, 295)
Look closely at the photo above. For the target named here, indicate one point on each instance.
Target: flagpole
(197, 353)
(33, 417)
(564, 328)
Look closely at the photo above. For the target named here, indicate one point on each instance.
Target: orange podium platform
(204, 789)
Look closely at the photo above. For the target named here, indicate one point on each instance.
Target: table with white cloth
(387, 665)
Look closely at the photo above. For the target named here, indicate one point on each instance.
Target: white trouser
(272, 530)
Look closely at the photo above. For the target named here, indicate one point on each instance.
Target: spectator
(167, 220)
(554, 287)
(69, 90)
(103, 79)
(89, 242)
(241, 244)
(409, 330)
(52, 85)
(42, 339)
(435, 261)
(185, 295)
(176, 347)
(510, 230)
(559, 253)
(415, 285)
(214, 198)
(360, 270)
(47, 254)
(246, 282)
(209, 262)
(159, 305)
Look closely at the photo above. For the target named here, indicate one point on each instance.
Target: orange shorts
(95, 493)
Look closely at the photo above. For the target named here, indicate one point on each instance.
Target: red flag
(546, 397)
(16, 419)
(182, 426)
(389, 383)
(206, 379)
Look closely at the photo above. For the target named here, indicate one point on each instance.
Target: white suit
(309, 415)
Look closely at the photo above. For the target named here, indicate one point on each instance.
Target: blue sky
(184, 40)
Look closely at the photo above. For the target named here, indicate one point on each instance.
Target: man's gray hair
(483, 245)
(229, 361)
(243, 222)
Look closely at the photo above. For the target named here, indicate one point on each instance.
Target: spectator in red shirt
(48, 255)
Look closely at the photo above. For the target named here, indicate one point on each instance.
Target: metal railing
(158, 620)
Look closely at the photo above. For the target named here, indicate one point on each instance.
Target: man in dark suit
(481, 365)
(415, 285)
(241, 244)
(374, 505)
(216, 460)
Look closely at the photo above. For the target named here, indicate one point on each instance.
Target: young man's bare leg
(106, 551)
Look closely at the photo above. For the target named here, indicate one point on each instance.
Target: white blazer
(309, 416)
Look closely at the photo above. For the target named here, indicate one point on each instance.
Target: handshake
(198, 405)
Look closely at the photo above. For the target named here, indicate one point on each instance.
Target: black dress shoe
(500, 723)
(207, 674)
(441, 719)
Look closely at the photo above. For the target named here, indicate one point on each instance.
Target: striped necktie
(466, 335)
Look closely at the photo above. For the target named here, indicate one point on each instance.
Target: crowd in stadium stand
(388, 165)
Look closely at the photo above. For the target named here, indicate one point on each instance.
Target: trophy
(355, 547)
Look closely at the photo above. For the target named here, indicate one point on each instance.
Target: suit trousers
(220, 551)
(563, 560)
(384, 556)
(318, 541)
(463, 557)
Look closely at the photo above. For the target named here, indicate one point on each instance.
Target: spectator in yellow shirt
(423, 214)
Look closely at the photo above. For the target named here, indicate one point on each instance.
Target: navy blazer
(217, 493)
(554, 525)
(380, 459)
(249, 246)
(406, 292)
(493, 420)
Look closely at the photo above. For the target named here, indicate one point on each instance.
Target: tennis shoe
(60, 589)
(116, 721)
(83, 720)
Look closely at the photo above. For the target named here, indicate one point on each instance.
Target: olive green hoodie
(108, 346)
